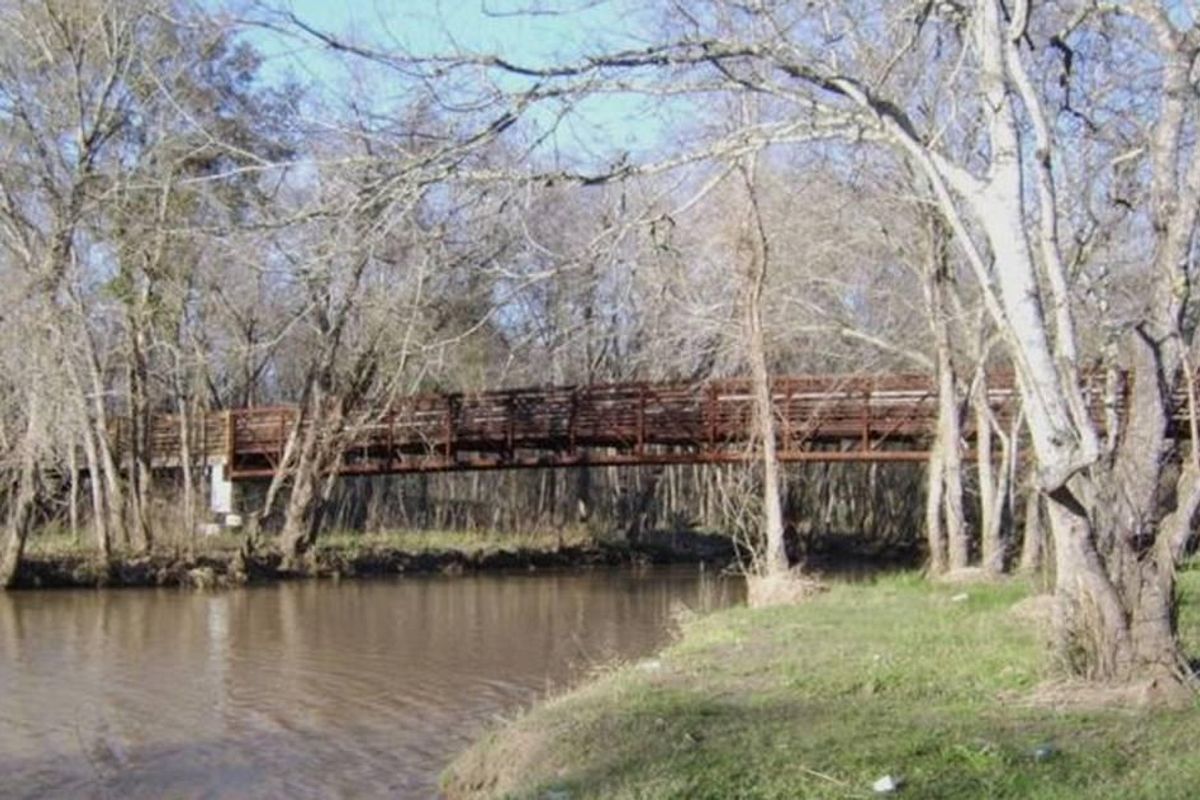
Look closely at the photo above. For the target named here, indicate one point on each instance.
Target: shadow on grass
(792, 749)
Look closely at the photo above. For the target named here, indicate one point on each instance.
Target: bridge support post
(221, 494)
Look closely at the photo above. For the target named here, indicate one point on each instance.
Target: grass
(820, 700)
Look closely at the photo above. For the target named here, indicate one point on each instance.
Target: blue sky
(553, 32)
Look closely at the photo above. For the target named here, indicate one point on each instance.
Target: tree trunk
(16, 531)
(102, 475)
(945, 523)
(757, 259)
(99, 512)
(993, 482)
(1033, 540)
(114, 493)
(935, 532)
(315, 477)
(1115, 580)
(291, 448)
(295, 537)
(21, 505)
(775, 555)
(957, 536)
(185, 464)
(139, 471)
(73, 492)
(1115, 623)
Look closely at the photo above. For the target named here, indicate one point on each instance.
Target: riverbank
(943, 688)
(218, 562)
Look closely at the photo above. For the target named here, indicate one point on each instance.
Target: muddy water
(302, 690)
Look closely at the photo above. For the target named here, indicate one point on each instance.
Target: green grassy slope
(819, 700)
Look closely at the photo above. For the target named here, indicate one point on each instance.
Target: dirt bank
(231, 568)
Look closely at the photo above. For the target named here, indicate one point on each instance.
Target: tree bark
(100, 529)
(73, 474)
(139, 468)
(935, 531)
(775, 560)
(297, 532)
(21, 505)
(185, 464)
(993, 482)
(957, 535)
(105, 485)
(946, 533)
(110, 473)
(1033, 540)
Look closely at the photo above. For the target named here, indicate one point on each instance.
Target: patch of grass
(896, 677)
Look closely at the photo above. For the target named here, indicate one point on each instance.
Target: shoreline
(230, 569)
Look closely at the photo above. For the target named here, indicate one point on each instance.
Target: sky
(524, 31)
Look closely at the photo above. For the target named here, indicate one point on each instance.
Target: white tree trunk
(757, 256)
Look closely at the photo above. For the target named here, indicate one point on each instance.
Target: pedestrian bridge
(822, 418)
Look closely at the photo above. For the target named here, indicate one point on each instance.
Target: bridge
(822, 418)
(818, 418)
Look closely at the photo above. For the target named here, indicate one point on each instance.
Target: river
(310, 689)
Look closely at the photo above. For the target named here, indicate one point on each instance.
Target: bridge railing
(705, 418)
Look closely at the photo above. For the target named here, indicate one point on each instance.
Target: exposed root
(1080, 695)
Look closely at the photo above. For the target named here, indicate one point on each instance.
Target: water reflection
(358, 689)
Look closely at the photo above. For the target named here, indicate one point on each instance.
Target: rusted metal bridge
(822, 418)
